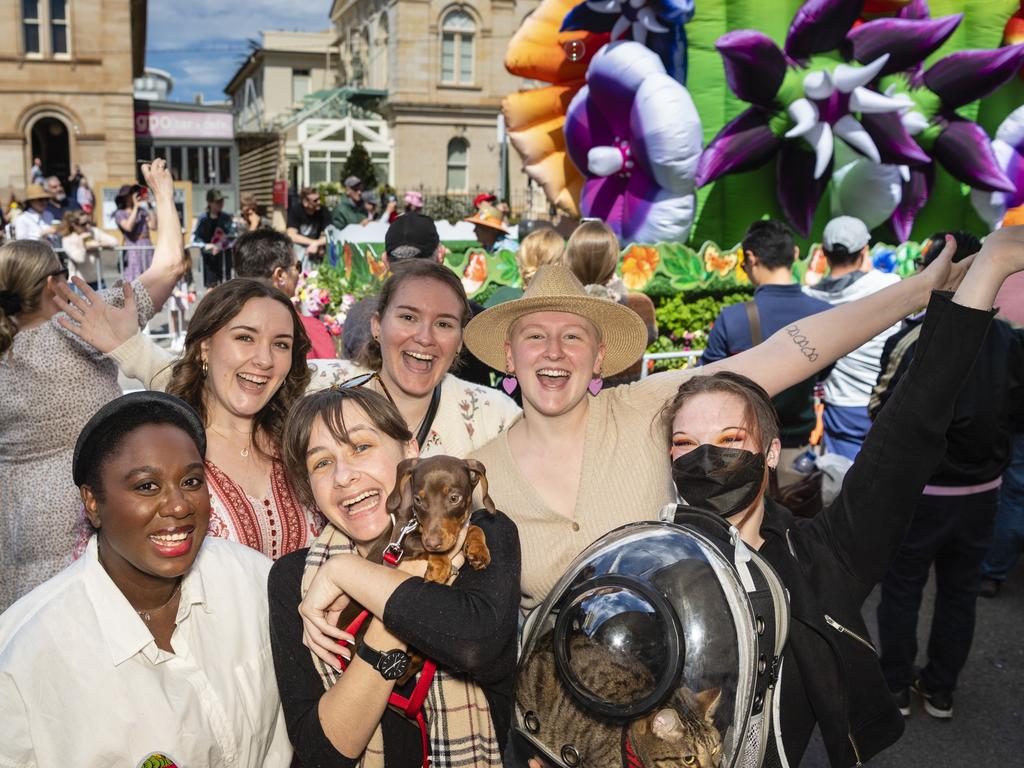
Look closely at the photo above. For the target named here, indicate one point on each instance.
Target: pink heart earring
(509, 383)
(596, 385)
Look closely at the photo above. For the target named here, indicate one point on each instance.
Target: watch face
(392, 665)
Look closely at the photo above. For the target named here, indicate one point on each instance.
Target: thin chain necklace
(147, 615)
(244, 453)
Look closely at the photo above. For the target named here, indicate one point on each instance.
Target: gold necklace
(147, 616)
(244, 453)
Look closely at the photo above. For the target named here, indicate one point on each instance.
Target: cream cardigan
(625, 477)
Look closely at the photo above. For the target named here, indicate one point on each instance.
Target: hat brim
(623, 332)
(497, 227)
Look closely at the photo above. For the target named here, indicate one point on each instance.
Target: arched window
(457, 33)
(458, 165)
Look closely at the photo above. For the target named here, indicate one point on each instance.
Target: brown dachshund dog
(438, 493)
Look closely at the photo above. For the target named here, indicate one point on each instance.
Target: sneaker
(937, 704)
(902, 699)
(990, 587)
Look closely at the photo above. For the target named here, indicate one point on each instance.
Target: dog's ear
(400, 500)
(478, 474)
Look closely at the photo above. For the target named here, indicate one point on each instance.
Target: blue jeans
(1008, 536)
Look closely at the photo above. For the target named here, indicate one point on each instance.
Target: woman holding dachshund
(342, 447)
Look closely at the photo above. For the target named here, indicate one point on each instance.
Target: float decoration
(1008, 148)
(658, 24)
(885, 109)
(634, 133)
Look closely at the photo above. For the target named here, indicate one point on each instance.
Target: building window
(458, 165)
(30, 26)
(301, 84)
(457, 34)
(58, 27)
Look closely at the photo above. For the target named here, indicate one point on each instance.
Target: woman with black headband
(155, 642)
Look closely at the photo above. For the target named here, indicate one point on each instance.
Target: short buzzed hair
(259, 253)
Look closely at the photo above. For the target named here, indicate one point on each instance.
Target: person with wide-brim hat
(575, 466)
(36, 222)
(490, 229)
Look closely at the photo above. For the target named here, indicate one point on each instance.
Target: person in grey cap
(848, 387)
(350, 209)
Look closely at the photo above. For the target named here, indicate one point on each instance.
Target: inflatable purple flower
(878, 102)
(635, 135)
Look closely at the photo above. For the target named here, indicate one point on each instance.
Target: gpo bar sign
(184, 125)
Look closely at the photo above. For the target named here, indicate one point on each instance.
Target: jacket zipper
(844, 631)
(856, 752)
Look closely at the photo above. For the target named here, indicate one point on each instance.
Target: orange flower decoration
(534, 118)
(475, 274)
(716, 261)
(638, 266)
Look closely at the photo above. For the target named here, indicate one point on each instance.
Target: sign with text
(165, 124)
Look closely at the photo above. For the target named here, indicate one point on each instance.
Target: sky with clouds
(202, 42)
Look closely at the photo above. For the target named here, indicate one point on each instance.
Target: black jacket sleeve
(300, 686)
(866, 523)
(470, 627)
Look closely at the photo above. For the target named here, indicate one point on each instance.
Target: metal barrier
(692, 355)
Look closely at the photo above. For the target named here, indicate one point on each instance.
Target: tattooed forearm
(804, 344)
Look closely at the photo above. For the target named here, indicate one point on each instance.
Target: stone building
(66, 73)
(440, 67)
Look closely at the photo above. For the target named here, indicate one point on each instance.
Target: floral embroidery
(469, 409)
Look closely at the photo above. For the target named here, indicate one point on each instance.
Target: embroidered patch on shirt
(157, 760)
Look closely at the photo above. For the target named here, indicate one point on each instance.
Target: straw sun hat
(488, 216)
(556, 289)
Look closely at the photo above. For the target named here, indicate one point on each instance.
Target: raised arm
(169, 256)
(805, 347)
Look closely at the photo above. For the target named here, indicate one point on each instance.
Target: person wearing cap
(484, 198)
(306, 225)
(52, 383)
(156, 641)
(134, 218)
(577, 465)
(490, 230)
(214, 232)
(371, 202)
(350, 209)
(36, 221)
(953, 519)
(848, 387)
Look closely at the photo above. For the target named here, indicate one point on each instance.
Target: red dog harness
(411, 707)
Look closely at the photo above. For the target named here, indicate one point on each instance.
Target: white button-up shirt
(83, 683)
(30, 224)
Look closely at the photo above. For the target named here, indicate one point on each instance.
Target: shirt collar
(123, 630)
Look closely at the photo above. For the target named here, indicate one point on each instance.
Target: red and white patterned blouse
(274, 525)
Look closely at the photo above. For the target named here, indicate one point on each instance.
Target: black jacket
(988, 410)
(830, 564)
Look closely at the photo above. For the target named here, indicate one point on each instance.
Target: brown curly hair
(215, 311)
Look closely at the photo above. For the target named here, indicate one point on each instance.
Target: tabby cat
(681, 733)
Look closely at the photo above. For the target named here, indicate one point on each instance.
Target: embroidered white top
(83, 683)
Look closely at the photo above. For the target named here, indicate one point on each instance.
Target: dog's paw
(475, 549)
(439, 568)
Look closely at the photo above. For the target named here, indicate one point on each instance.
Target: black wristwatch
(391, 664)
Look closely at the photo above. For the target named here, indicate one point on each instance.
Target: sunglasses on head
(361, 381)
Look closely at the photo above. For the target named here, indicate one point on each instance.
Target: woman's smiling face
(352, 480)
(420, 334)
(249, 357)
(554, 355)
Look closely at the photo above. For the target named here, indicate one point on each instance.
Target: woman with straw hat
(574, 466)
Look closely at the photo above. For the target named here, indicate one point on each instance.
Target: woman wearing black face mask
(725, 442)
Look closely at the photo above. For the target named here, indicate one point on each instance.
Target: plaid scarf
(460, 730)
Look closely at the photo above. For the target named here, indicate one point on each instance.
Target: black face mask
(721, 480)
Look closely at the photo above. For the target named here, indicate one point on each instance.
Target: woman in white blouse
(156, 642)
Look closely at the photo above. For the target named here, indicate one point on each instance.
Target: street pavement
(988, 706)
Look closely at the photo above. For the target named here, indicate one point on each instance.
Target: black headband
(107, 417)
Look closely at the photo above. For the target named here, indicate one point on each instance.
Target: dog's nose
(433, 540)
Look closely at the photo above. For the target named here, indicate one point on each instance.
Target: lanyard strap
(428, 419)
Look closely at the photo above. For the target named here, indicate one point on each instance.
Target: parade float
(680, 123)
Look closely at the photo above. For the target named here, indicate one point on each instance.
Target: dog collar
(393, 552)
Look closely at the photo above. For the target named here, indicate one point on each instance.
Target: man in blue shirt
(768, 255)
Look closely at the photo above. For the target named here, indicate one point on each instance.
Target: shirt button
(575, 526)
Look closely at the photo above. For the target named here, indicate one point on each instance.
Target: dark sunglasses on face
(362, 380)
